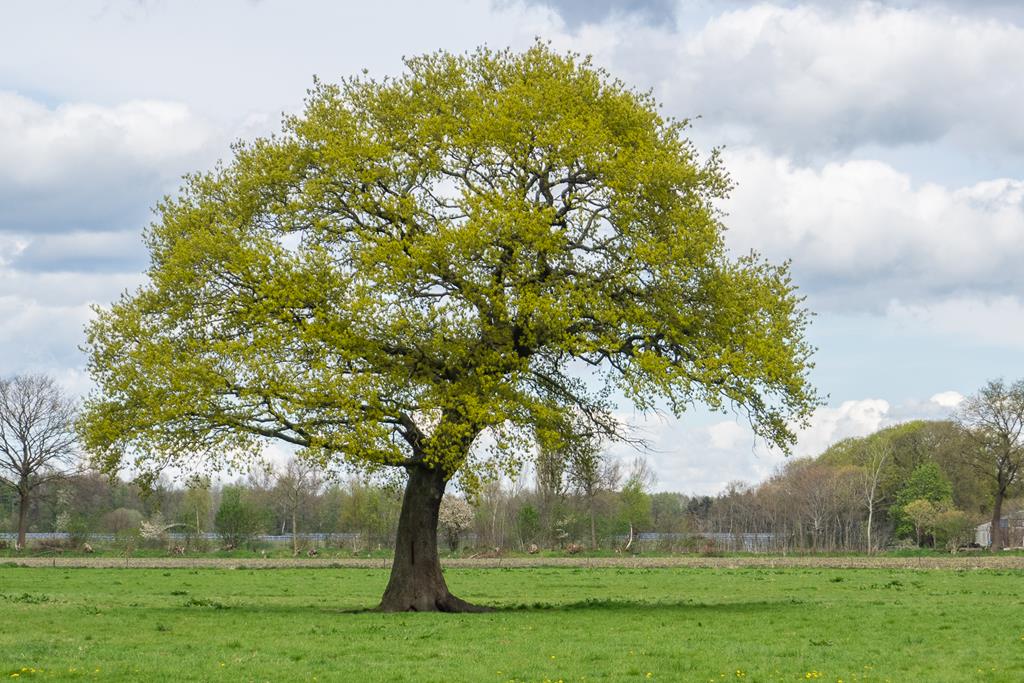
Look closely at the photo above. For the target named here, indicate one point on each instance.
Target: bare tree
(993, 418)
(37, 437)
(878, 453)
(300, 480)
(491, 504)
(550, 474)
(590, 472)
(811, 486)
(197, 503)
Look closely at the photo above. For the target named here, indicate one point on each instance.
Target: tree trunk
(295, 537)
(417, 584)
(871, 515)
(22, 518)
(593, 528)
(996, 536)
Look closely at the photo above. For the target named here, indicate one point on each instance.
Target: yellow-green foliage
(413, 261)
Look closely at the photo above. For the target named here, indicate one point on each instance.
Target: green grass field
(552, 624)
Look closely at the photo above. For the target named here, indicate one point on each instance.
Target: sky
(878, 146)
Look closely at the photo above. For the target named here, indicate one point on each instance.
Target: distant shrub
(121, 519)
(528, 521)
(78, 531)
(953, 529)
(237, 520)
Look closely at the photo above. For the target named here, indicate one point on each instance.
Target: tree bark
(593, 528)
(295, 537)
(871, 515)
(22, 518)
(996, 536)
(416, 583)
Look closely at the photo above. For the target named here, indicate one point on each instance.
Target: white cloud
(814, 81)
(75, 381)
(804, 78)
(11, 247)
(863, 233)
(947, 399)
(727, 435)
(703, 459)
(691, 457)
(44, 315)
(43, 145)
(849, 419)
(81, 165)
(39, 338)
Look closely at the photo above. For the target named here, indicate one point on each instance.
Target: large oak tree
(494, 244)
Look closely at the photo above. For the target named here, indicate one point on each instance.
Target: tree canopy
(494, 242)
(428, 256)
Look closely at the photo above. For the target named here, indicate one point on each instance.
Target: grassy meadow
(556, 623)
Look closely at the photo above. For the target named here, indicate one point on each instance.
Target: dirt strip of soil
(953, 562)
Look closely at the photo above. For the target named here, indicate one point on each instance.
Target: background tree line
(924, 483)
(924, 493)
